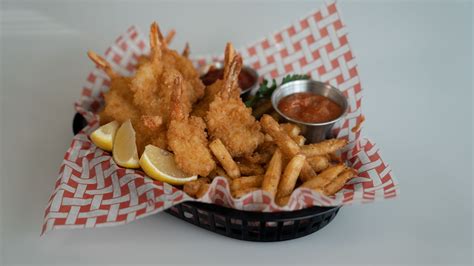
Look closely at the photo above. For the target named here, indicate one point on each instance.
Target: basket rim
(257, 215)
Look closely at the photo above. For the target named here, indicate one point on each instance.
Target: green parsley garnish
(265, 91)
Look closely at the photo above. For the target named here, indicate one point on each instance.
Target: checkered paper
(92, 191)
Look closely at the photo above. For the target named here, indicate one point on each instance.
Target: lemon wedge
(159, 164)
(103, 137)
(125, 149)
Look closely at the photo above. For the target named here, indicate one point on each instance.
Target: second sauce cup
(313, 132)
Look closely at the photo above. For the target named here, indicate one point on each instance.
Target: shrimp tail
(169, 37)
(102, 64)
(159, 34)
(155, 42)
(232, 77)
(228, 57)
(176, 111)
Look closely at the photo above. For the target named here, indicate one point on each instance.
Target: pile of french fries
(283, 164)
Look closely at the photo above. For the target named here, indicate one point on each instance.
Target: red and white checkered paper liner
(92, 191)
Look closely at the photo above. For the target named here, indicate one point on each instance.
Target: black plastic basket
(247, 225)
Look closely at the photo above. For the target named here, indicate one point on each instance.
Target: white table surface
(415, 64)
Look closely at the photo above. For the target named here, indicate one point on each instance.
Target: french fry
(291, 129)
(246, 182)
(325, 177)
(339, 182)
(318, 163)
(263, 155)
(192, 188)
(283, 200)
(288, 146)
(290, 176)
(316, 183)
(335, 158)
(241, 192)
(294, 132)
(324, 147)
(224, 157)
(300, 140)
(221, 172)
(248, 169)
(202, 190)
(332, 171)
(273, 173)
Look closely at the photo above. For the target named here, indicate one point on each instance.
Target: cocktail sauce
(246, 80)
(309, 107)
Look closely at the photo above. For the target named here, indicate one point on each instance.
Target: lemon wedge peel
(159, 164)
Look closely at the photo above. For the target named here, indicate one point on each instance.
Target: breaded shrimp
(194, 87)
(118, 104)
(201, 108)
(170, 58)
(230, 120)
(187, 137)
(147, 87)
(146, 97)
(145, 83)
(167, 40)
(153, 82)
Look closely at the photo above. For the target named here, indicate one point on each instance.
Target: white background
(415, 64)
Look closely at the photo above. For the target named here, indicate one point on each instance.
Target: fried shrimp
(201, 108)
(145, 83)
(187, 137)
(118, 104)
(193, 85)
(167, 40)
(147, 88)
(153, 82)
(230, 120)
(189, 129)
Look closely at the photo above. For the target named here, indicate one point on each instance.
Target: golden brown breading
(201, 108)
(118, 104)
(187, 137)
(195, 89)
(230, 120)
(145, 98)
